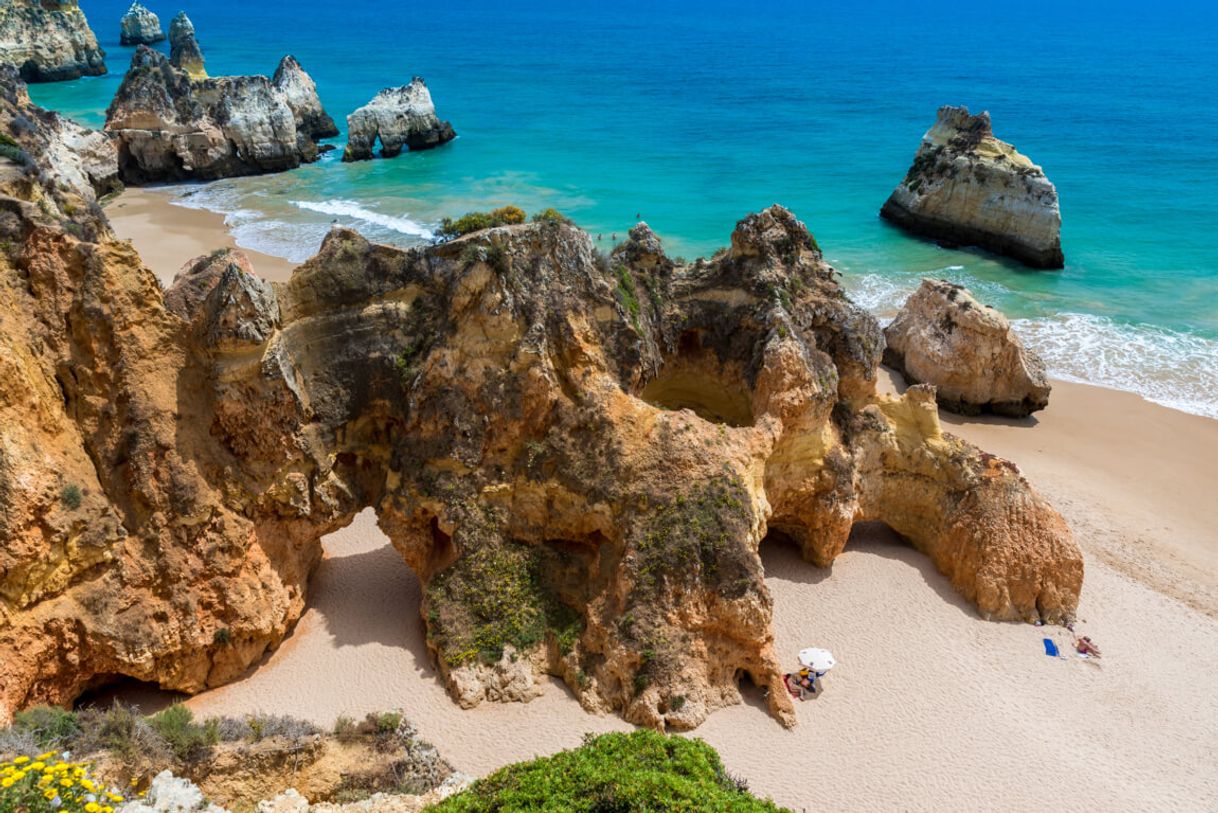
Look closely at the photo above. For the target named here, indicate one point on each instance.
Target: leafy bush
(477, 221)
(47, 783)
(71, 496)
(642, 771)
(121, 729)
(189, 741)
(280, 725)
(50, 726)
(552, 216)
(346, 730)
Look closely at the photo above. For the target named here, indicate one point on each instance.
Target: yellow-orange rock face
(578, 455)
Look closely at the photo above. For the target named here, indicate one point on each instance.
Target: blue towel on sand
(1050, 648)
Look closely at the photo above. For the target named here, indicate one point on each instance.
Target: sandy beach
(168, 236)
(930, 707)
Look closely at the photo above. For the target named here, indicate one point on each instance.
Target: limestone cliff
(579, 456)
(51, 161)
(300, 93)
(399, 117)
(184, 50)
(170, 126)
(966, 187)
(968, 351)
(48, 40)
(171, 472)
(139, 26)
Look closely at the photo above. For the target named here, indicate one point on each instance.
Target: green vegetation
(477, 221)
(189, 741)
(492, 597)
(51, 726)
(695, 536)
(11, 149)
(223, 636)
(628, 294)
(553, 217)
(71, 496)
(614, 773)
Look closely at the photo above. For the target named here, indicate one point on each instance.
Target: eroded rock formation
(184, 50)
(968, 351)
(300, 93)
(140, 26)
(966, 187)
(170, 126)
(57, 164)
(399, 117)
(578, 455)
(48, 40)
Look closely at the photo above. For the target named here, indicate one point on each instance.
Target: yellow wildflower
(7, 782)
(49, 793)
(67, 783)
(92, 807)
(47, 755)
(20, 760)
(88, 785)
(37, 766)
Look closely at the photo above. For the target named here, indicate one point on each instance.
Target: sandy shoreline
(168, 236)
(930, 708)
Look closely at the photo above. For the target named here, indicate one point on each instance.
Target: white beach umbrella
(820, 660)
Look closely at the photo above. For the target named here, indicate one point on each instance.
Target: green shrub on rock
(642, 771)
(477, 221)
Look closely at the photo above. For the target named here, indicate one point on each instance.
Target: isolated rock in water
(968, 351)
(140, 26)
(184, 50)
(48, 40)
(171, 127)
(76, 165)
(578, 458)
(400, 117)
(968, 188)
(300, 92)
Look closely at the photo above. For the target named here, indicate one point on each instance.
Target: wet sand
(168, 236)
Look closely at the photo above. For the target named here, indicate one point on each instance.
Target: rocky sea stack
(400, 117)
(170, 126)
(139, 26)
(968, 188)
(184, 50)
(579, 455)
(48, 40)
(968, 351)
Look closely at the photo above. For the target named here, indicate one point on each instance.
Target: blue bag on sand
(1050, 648)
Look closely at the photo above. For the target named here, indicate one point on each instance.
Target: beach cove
(929, 702)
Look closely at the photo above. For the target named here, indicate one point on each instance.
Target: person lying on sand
(801, 684)
(1085, 647)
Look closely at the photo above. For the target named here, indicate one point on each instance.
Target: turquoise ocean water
(694, 114)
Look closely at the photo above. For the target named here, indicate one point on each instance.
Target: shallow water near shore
(692, 115)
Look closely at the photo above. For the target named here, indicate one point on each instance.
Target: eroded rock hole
(694, 379)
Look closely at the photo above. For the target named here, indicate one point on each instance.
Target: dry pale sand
(168, 236)
(930, 708)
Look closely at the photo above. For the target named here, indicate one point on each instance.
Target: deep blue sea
(692, 114)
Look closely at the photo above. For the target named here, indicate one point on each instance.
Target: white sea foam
(353, 210)
(1177, 370)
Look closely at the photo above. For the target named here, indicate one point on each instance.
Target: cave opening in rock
(106, 690)
(693, 378)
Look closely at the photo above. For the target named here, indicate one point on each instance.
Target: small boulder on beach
(968, 351)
